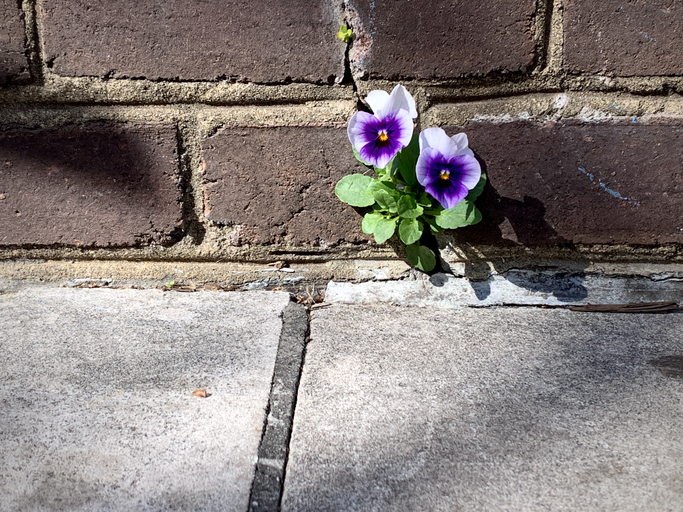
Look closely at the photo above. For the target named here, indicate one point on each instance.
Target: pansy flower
(378, 137)
(446, 167)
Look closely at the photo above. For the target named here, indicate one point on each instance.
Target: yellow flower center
(445, 175)
(383, 137)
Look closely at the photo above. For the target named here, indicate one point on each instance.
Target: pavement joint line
(269, 475)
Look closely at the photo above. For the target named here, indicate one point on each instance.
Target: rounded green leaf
(462, 214)
(410, 230)
(370, 221)
(408, 208)
(384, 229)
(421, 257)
(354, 190)
(385, 200)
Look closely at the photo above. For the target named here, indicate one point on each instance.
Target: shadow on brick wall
(91, 185)
(504, 218)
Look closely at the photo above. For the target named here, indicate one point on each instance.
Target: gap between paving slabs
(266, 490)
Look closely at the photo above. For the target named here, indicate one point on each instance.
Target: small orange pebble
(201, 393)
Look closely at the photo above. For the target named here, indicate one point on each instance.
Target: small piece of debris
(320, 306)
(89, 283)
(279, 264)
(201, 393)
(633, 307)
(180, 286)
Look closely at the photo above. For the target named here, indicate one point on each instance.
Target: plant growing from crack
(423, 183)
(345, 34)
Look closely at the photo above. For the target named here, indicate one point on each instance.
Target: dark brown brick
(436, 39)
(624, 38)
(264, 41)
(93, 185)
(580, 183)
(278, 184)
(13, 61)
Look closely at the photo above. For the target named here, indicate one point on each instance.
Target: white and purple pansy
(379, 137)
(446, 167)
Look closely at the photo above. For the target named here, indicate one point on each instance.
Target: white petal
(436, 138)
(377, 100)
(399, 98)
(461, 142)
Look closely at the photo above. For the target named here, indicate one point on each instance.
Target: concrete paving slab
(518, 287)
(96, 403)
(505, 409)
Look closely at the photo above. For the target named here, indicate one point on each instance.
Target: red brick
(13, 61)
(278, 184)
(94, 185)
(435, 39)
(266, 41)
(613, 37)
(579, 183)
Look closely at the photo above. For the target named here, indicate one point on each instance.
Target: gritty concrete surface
(501, 409)
(524, 288)
(97, 410)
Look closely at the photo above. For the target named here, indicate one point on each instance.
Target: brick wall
(216, 130)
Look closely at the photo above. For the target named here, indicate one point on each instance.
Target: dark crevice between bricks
(544, 19)
(33, 53)
(348, 79)
(191, 224)
(273, 453)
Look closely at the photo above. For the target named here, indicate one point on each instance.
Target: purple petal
(462, 173)
(427, 162)
(383, 137)
(357, 129)
(447, 193)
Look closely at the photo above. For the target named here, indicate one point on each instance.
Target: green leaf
(345, 34)
(354, 189)
(387, 186)
(408, 208)
(478, 189)
(385, 200)
(432, 224)
(410, 230)
(370, 221)
(422, 257)
(477, 217)
(384, 229)
(405, 161)
(463, 214)
(424, 200)
(386, 195)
